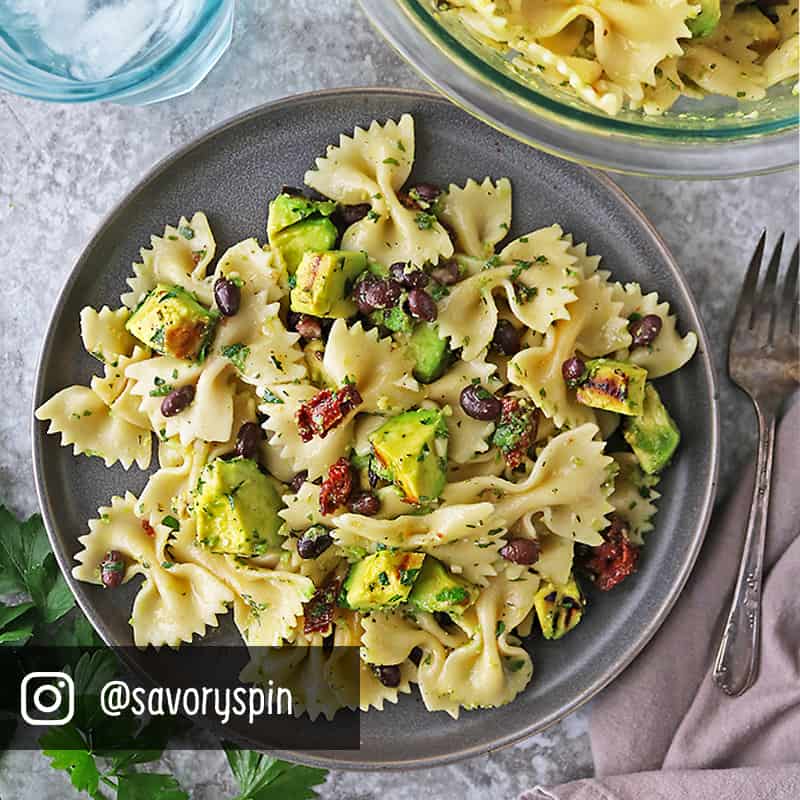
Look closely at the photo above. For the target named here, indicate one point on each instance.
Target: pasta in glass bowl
(664, 87)
(387, 421)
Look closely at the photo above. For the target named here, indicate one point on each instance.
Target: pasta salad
(641, 55)
(385, 428)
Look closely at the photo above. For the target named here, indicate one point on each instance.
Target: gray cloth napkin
(663, 730)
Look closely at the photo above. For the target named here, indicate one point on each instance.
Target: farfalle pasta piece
(286, 453)
(116, 528)
(253, 265)
(379, 368)
(179, 258)
(86, 422)
(370, 167)
(208, 417)
(669, 351)
(255, 341)
(413, 532)
(168, 490)
(267, 602)
(479, 214)
(104, 335)
(596, 327)
(534, 272)
(489, 670)
(115, 388)
(569, 485)
(175, 601)
(472, 557)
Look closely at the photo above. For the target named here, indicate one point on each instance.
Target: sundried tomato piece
(318, 611)
(325, 410)
(615, 559)
(148, 528)
(516, 431)
(337, 487)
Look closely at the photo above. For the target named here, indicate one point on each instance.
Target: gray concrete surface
(62, 168)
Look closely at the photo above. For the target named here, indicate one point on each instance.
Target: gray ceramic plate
(231, 173)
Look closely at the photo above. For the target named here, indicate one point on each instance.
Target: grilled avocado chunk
(437, 589)
(411, 451)
(323, 283)
(173, 322)
(382, 580)
(653, 435)
(558, 608)
(613, 386)
(236, 508)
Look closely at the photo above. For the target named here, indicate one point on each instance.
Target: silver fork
(764, 361)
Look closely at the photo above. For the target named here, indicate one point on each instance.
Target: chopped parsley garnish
(237, 354)
(186, 232)
(424, 220)
(270, 397)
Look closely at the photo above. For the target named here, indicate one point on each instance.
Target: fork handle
(736, 665)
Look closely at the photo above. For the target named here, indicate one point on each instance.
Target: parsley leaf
(149, 786)
(21, 631)
(237, 354)
(67, 750)
(27, 565)
(262, 777)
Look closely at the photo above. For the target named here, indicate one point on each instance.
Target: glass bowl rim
(531, 116)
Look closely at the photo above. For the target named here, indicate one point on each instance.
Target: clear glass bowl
(128, 51)
(713, 138)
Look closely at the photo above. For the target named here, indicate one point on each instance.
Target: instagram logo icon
(43, 695)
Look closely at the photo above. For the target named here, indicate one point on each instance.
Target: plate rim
(497, 742)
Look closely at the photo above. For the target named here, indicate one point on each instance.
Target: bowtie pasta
(387, 426)
(643, 54)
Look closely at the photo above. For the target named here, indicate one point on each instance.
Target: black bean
(248, 439)
(644, 330)
(446, 272)
(408, 276)
(506, 338)
(443, 619)
(309, 327)
(383, 293)
(298, 480)
(365, 503)
(573, 370)
(421, 305)
(228, 296)
(112, 569)
(480, 404)
(351, 214)
(361, 296)
(314, 542)
(415, 656)
(426, 191)
(387, 674)
(520, 551)
(177, 400)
